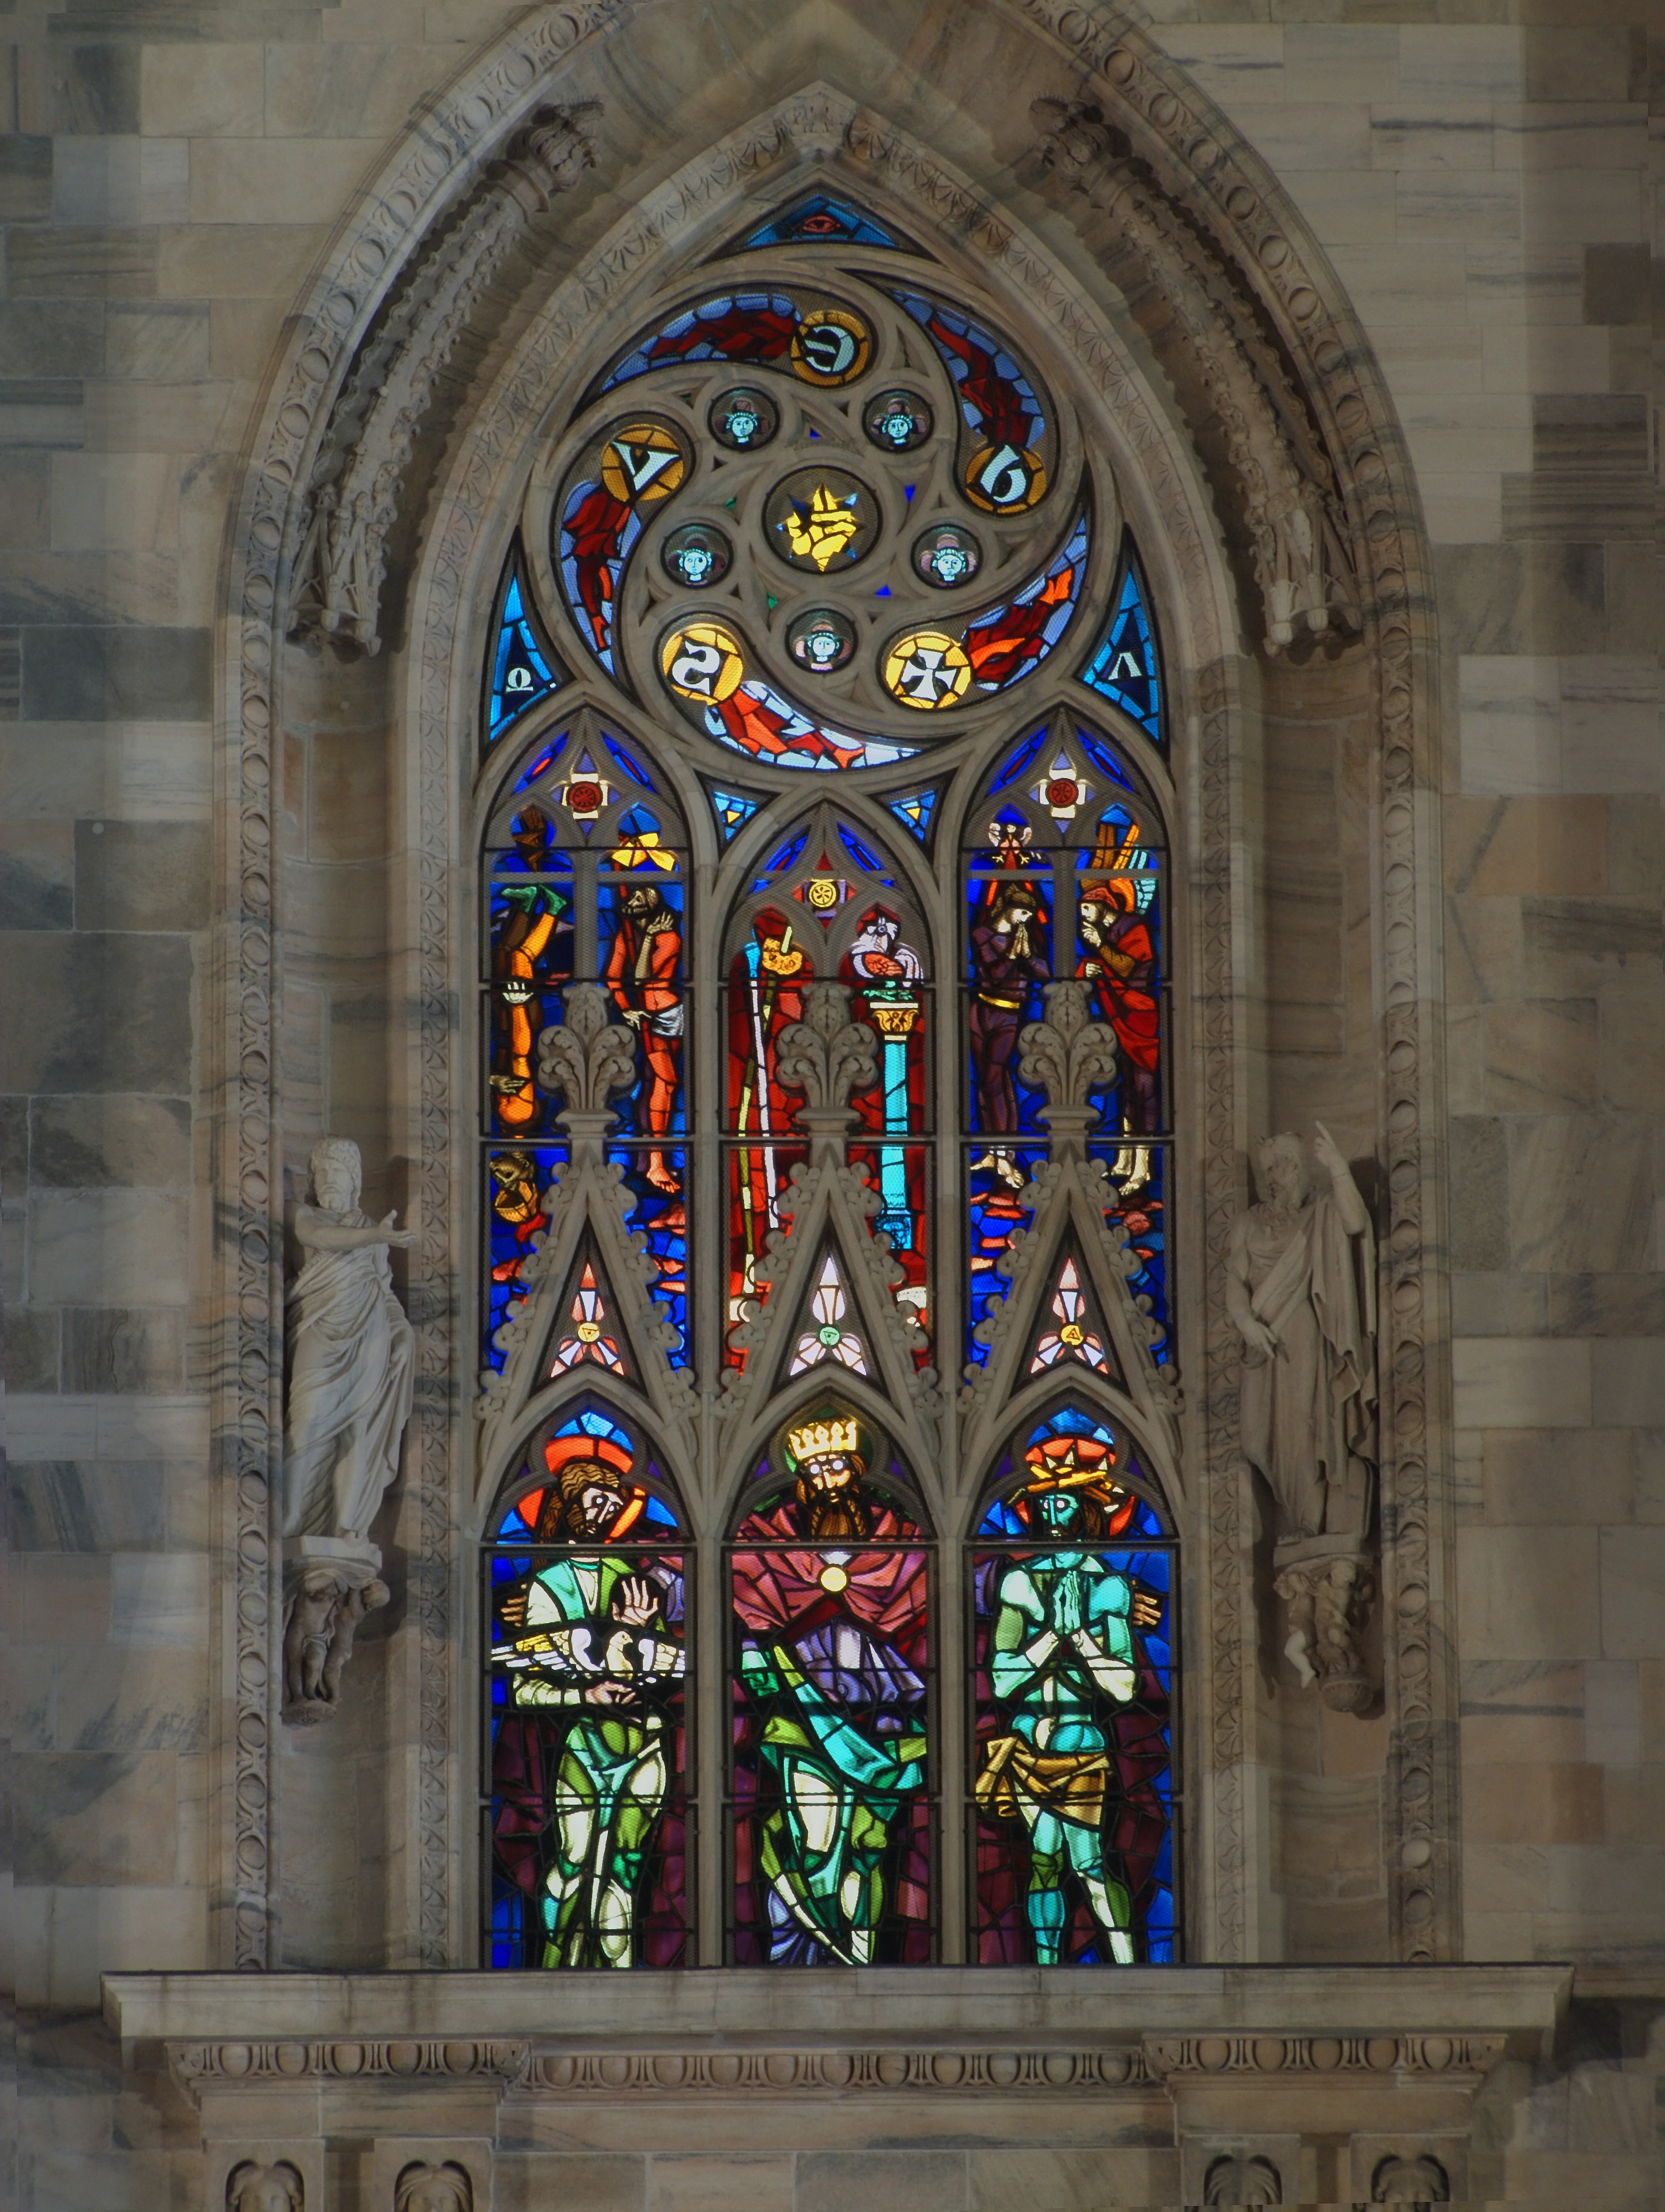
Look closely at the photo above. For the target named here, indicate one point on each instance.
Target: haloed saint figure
(830, 1596)
(593, 1661)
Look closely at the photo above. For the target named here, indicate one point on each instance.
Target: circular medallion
(642, 462)
(821, 894)
(822, 641)
(947, 557)
(833, 1580)
(1005, 478)
(702, 661)
(927, 668)
(830, 347)
(822, 519)
(743, 420)
(897, 422)
(696, 554)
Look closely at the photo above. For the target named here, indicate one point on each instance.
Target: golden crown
(817, 1437)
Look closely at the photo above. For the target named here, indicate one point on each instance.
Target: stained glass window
(1073, 1689)
(588, 1671)
(815, 695)
(831, 1765)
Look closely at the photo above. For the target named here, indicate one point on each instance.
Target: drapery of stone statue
(1301, 1290)
(351, 1379)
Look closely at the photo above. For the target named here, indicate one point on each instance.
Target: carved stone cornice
(202, 2067)
(1455, 2058)
(935, 2069)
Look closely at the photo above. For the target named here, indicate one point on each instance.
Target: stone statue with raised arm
(350, 1383)
(1301, 1291)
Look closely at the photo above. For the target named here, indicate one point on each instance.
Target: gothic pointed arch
(1152, 199)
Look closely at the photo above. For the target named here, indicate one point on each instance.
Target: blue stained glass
(522, 673)
(818, 218)
(1102, 757)
(782, 859)
(864, 859)
(540, 764)
(733, 811)
(916, 808)
(1125, 667)
(1016, 761)
(632, 766)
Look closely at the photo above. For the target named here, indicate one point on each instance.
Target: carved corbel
(1296, 526)
(1326, 1597)
(352, 497)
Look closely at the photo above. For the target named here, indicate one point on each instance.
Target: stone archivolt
(1199, 189)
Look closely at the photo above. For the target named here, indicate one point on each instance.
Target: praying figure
(1301, 1291)
(353, 1357)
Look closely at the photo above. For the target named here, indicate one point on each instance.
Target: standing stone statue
(350, 1383)
(1301, 1290)
(350, 1386)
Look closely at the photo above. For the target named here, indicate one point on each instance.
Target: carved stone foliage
(826, 1055)
(357, 481)
(1070, 1055)
(588, 1056)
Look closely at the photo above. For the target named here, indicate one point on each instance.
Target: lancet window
(806, 1107)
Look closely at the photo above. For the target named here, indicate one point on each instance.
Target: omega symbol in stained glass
(821, 640)
(744, 419)
(926, 668)
(831, 347)
(897, 422)
(946, 556)
(822, 519)
(697, 554)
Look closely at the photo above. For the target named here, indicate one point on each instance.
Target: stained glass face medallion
(946, 556)
(897, 422)
(744, 419)
(831, 347)
(703, 665)
(697, 554)
(822, 519)
(821, 640)
(926, 668)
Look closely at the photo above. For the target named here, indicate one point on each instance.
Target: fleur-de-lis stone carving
(587, 1057)
(826, 1055)
(1068, 1053)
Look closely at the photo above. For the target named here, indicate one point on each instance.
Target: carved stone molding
(1449, 2057)
(1303, 568)
(353, 497)
(201, 2067)
(935, 2068)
